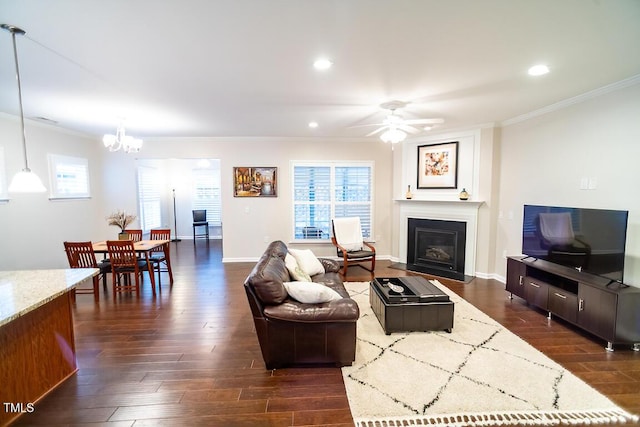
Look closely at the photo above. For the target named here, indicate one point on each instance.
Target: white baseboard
(253, 259)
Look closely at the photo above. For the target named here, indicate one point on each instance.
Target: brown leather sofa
(292, 333)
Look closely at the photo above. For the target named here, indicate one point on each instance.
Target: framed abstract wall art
(255, 182)
(438, 165)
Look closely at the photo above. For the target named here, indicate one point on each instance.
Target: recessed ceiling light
(313, 125)
(322, 64)
(427, 128)
(538, 70)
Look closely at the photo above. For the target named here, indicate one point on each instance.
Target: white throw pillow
(294, 269)
(307, 261)
(311, 292)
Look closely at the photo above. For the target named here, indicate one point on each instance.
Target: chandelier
(24, 181)
(122, 141)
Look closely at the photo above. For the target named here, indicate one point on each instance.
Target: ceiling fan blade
(409, 129)
(423, 121)
(376, 131)
(371, 124)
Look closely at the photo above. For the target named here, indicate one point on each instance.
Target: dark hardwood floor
(190, 357)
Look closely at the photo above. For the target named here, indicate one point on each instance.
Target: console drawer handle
(560, 295)
(534, 285)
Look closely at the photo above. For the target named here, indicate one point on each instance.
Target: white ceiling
(243, 68)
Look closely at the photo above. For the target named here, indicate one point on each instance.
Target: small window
(69, 177)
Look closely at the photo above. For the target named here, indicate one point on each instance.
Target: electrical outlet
(584, 183)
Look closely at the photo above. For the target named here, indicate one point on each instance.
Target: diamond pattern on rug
(478, 368)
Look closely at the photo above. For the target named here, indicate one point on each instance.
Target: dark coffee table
(420, 306)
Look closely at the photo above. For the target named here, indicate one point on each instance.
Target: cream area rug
(480, 374)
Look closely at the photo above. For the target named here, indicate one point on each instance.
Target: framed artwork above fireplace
(438, 165)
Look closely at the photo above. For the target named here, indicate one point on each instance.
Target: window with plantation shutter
(206, 194)
(68, 177)
(326, 190)
(149, 198)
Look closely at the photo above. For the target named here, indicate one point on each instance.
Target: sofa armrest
(342, 310)
(330, 265)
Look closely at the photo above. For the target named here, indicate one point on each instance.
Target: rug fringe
(533, 418)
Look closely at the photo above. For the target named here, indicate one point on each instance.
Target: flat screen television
(589, 240)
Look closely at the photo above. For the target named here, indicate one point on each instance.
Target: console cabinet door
(563, 304)
(516, 271)
(597, 311)
(536, 292)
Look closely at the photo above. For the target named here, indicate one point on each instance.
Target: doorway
(170, 189)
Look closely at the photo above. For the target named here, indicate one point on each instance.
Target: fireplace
(436, 247)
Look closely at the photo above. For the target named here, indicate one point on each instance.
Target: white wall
(544, 159)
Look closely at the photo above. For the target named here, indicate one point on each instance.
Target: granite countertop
(24, 291)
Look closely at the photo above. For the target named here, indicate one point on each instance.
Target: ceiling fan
(394, 128)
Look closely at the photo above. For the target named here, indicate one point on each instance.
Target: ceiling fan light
(393, 136)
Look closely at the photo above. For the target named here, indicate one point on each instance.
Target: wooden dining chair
(81, 255)
(134, 235)
(160, 256)
(124, 262)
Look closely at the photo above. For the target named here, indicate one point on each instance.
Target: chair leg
(96, 288)
(159, 274)
(138, 285)
(115, 277)
(170, 273)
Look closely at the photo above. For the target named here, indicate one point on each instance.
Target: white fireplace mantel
(450, 210)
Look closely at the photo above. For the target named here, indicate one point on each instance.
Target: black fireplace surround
(436, 247)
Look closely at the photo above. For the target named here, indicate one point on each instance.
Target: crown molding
(631, 81)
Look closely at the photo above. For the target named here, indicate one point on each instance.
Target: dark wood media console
(606, 309)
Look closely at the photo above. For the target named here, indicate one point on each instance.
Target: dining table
(144, 248)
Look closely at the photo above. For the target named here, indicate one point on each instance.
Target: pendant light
(24, 181)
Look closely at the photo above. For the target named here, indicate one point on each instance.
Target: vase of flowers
(121, 220)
